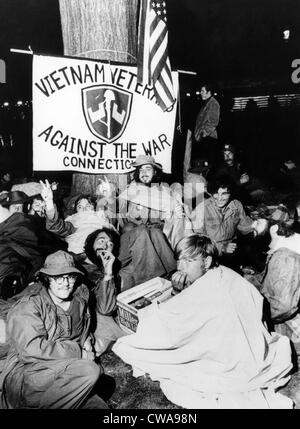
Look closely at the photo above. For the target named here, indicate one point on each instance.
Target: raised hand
(47, 193)
(105, 188)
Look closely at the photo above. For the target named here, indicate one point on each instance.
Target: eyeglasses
(60, 279)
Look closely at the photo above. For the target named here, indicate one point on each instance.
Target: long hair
(90, 240)
(87, 197)
(157, 177)
(284, 230)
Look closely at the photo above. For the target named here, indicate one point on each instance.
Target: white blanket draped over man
(208, 346)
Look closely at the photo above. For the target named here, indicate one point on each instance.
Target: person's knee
(88, 370)
(93, 372)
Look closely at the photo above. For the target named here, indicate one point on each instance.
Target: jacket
(20, 253)
(281, 287)
(104, 291)
(221, 225)
(34, 333)
(208, 119)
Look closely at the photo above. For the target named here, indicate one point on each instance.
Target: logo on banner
(106, 110)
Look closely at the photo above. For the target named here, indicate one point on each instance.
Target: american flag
(153, 61)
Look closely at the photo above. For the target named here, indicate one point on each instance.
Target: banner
(94, 117)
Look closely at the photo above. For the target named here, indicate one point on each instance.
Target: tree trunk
(107, 27)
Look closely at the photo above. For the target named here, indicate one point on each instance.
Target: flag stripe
(159, 66)
(159, 44)
(162, 96)
(167, 80)
(164, 83)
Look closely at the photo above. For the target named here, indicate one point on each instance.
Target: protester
(20, 253)
(153, 223)
(48, 242)
(205, 132)
(5, 181)
(172, 220)
(147, 170)
(37, 206)
(75, 228)
(280, 280)
(286, 181)
(248, 189)
(15, 202)
(225, 218)
(144, 250)
(207, 346)
(51, 360)
(102, 269)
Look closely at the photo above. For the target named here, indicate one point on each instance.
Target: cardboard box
(135, 301)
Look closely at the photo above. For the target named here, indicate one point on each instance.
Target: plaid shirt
(221, 225)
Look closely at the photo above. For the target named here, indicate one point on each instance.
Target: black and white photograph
(149, 207)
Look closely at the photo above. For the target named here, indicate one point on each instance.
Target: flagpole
(22, 51)
(186, 72)
(179, 111)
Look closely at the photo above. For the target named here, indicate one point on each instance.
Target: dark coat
(20, 253)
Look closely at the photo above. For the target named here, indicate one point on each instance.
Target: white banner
(94, 117)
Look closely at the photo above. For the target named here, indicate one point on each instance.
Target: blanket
(208, 347)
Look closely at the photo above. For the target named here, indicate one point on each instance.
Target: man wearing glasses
(51, 359)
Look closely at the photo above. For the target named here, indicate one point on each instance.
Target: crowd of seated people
(76, 265)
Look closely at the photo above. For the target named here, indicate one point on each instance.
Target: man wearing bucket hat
(147, 175)
(147, 170)
(15, 201)
(153, 222)
(51, 359)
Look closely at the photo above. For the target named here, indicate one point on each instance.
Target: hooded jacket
(35, 335)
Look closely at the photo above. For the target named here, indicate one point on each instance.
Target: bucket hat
(30, 188)
(146, 159)
(15, 197)
(59, 263)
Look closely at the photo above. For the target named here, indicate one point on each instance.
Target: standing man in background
(205, 133)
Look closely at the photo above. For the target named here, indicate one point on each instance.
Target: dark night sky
(223, 40)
